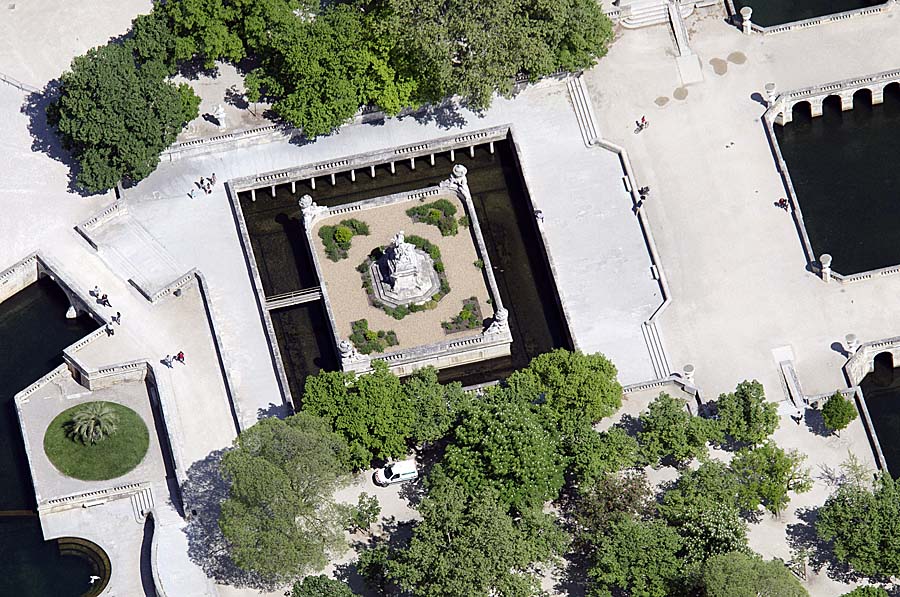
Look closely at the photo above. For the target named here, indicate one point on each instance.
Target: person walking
(213, 179)
(180, 357)
(109, 330)
(104, 300)
(167, 361)
(95, 292)
(193, 194)
(117, 318)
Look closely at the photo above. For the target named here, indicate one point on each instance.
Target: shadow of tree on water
(203, 494)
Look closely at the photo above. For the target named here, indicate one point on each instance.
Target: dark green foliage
(503, 446)
(372, 412)
(468, 544)
(440, 213)
(204, 28)
(464, 221)
(468, 319)
(639, 557)
(745, 575)
(595, 454)
(336, 239)
(153, 43)
(479, 263)
(838, 412)
(745, 415)
(711, 484)
(573, 388)
(368, 341)
(669, 431)
(436, 406)
(868, 591)
(116, 116)
(473, 50)
(767, 474)
(372, 566)
(321, 586)
(280, 519)
(863, 526)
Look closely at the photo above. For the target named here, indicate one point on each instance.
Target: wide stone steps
(654, 343)
(652, 12)
(584, 110)
(142, 504)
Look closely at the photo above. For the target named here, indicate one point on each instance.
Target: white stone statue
(348, 350)
(500, 323)
(403, 252)
(219, 115)
(458, 182)
(311, 212)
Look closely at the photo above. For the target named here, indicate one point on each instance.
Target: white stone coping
(364, 160)
(84, 228)
(805, 23)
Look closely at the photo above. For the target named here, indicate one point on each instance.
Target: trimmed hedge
(368, 341)
(440, 213)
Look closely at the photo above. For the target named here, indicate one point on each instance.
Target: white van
(397, 472)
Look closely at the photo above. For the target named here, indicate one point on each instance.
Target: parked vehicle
(397, 472)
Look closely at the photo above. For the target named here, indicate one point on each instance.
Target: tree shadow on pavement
(815, 422)
(203, 494)
(802, 536)
(445, 116)
(44, 137)
(574, 580)
(394, 535)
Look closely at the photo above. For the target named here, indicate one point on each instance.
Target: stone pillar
(825, 263)
(770, 94)
(852, 343)
(746, 13)
(815, 107)
(688, 374)
(878, 96)
(71, 313)
(846, 102)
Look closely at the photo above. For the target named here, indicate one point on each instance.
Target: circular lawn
(109, 458)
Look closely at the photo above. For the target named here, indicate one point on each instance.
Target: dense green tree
(668, 430)
(280, 519)
(371, 411)
(711, 530)
(868, 591)
(475, 49)
(575, 388)
(116, 117)
(321, 586)
(204, 29)
(711, 484)
(838, 412)
(153, 43)
(638, 557)
(596, 454)
(467, 544)
(504, 446)
(745, 415)
(767, 474)
(740, 574)
(863, 526)
(436, 406)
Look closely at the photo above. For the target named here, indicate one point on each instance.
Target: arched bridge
(870, 88)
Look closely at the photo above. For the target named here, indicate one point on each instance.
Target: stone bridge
(870, 88)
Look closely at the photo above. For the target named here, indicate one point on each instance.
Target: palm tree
(93, 422)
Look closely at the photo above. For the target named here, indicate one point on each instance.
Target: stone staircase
(644, 13)
(142, 504)
(655, 346)
(584, 110)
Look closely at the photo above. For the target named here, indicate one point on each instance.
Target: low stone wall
(806, 23)
(17, 277)
(86, 227)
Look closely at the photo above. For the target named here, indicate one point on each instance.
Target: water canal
(507, 221)
(845, 173)
(33, 332)
(771, 13)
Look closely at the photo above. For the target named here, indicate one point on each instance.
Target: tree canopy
(868, 591)
(321, 586)
(280, 519)
(740, 574)
(116, 115)
(863, 526)
(371, 411)
(767, 474)
(668, 430)
(596, 454)
(838, 412)
(436, 405)
(503, 446)
(468, 544)
(745, 415)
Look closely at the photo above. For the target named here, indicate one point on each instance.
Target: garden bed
(368, 341)
(337, 239)
(469, 318)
